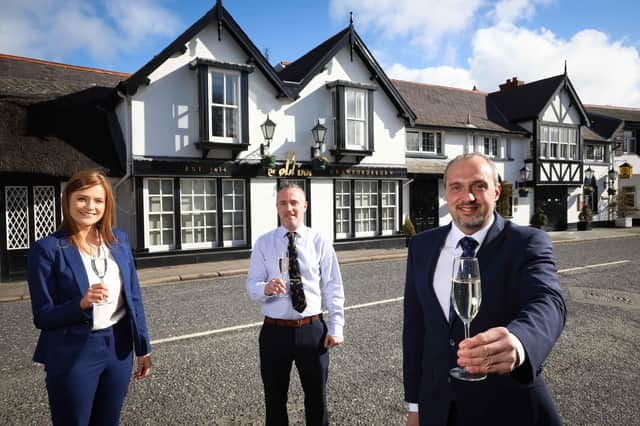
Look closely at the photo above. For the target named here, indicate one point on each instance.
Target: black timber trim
(244, 108)
(340, 119)
(247, 212)
(371, 133)
(400, 199)
(199, 62)
(352, 208)
(566, 83)
(177, 215)
(140, 214)
(203, 101)
(219, 223)
(358, 154)
(218, 16)
(351, 84)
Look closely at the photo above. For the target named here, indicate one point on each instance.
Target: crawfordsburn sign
(290, 168)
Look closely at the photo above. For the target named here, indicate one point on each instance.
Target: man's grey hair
(468, 157)
(292, 185)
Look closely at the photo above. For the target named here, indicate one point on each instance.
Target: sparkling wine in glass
(466, 296)
(99, 266)
(283, 267)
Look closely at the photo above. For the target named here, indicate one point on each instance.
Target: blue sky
(458, 43)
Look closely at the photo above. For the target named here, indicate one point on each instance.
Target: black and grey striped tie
(298, 299)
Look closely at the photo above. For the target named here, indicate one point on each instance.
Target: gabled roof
(449, 107)
(300, 72)
(528, 101)
(602, 127)
(54, 118)
(224, 22)
(621, 113)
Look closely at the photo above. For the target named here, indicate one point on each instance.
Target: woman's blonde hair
(82, 180)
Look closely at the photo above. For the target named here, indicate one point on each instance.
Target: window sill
(358, 154)
(234, 147)
(417, 154)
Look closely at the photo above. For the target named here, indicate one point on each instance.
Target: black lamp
(268, 127)
(318, 132)
(588, 173)
(524, 178)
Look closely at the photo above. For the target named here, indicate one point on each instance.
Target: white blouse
(106, 314)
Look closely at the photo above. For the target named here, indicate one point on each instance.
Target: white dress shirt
(442, 278)
(319, 270)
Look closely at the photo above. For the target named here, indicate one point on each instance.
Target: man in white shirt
(294, 328)
(521, 315)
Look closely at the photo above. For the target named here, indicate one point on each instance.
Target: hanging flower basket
(320, 163)
(268, 162)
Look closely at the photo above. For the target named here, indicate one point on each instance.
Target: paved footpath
(18, 290)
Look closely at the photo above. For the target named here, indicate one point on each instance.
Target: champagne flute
(466, 296)
(283, 267)
(99, 266)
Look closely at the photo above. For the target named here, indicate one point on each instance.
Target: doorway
(423, 200)
(553, 201)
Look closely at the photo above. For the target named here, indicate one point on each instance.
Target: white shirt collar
(455, 234)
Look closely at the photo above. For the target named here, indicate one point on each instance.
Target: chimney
(510, 84)
(281, 65)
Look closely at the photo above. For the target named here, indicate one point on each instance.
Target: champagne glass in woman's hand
(466, 295)
(99, 266)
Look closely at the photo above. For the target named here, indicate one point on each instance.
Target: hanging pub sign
(626, 171)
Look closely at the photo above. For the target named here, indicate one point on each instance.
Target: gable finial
(219, 15)
(565, 67)
(351, 35)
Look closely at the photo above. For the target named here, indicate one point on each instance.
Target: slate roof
(449, 107)
(602, 127)
(621, 113)
(54, 118)
(527, 101)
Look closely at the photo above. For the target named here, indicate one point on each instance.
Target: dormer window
(352, 109)
(223, 99)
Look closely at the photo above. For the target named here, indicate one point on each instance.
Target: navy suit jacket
(520, 291)
(57, 281)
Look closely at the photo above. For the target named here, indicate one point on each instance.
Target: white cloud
(424, 23)
(601, 70)
(442, 75)
(56, 29)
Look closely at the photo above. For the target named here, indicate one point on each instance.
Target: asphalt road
(214, 378)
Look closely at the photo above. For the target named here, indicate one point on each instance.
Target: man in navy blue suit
(521, 315)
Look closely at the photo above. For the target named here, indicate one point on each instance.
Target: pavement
(18, 290)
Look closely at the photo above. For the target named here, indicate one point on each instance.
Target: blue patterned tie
(468, 245)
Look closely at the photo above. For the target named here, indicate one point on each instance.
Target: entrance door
(553, 201)
(423, 199)
(30, 211)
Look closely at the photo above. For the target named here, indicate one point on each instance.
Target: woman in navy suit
(86, 301)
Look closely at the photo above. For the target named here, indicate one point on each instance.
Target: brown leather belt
(290, 323)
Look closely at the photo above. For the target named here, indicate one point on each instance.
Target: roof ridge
(61, 65)
(439, 85)
(611, 107)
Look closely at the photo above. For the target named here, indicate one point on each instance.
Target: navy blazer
(58, 280)
(520, 291)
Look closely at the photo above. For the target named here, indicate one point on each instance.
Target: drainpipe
(128, 134)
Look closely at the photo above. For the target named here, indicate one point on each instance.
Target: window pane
(154, 204)
(198, 203)
(211, 203)
(167, 237)
(154, 238)
(187, 237)
(217, 88)
(238, 218)
(351, 103)
(186, 186)
(186, 204)
(154, 221)
(226, 219)
(167, 204)
(232, 122)
(187, 221)
(154, 186)
(413, 141)
(232, 96)
(167, 186)
(217, 126)
(167, 221)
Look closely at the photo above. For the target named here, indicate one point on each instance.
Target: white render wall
(264, 215)
(321, 206)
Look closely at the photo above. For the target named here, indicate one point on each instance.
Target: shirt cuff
(519, 349)
(412, 407)
(334, 330)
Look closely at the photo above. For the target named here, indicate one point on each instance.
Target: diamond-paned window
(17, 217)
(44, 213)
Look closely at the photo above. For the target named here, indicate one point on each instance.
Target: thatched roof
(56, 119)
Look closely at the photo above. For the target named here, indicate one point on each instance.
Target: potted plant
(624, 208)
(268, 161)
(539, 219)
(408, 230)
(320, 163)
(585, 217)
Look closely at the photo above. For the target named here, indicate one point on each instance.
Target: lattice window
(44, 211)
(17, 216)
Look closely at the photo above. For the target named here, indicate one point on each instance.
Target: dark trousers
(279, 348)
(92, 391)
